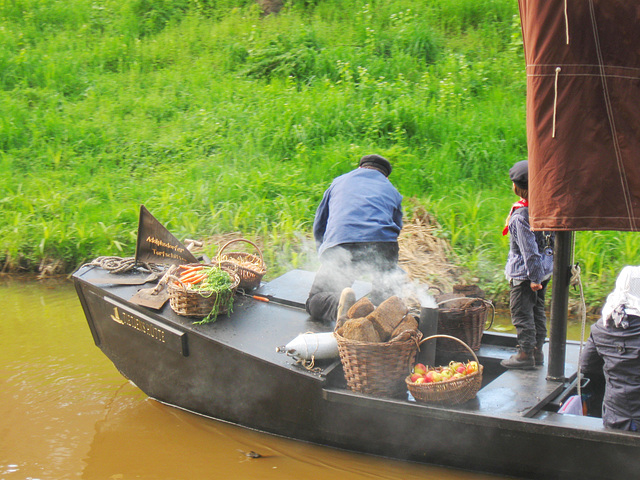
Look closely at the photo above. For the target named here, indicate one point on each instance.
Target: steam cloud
(387, 279)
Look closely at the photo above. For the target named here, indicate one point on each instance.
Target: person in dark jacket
(356, 230)
(613, 352)
(528, 269)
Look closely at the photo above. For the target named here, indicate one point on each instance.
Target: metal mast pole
(560, 305)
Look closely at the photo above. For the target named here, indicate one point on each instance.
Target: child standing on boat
(528, 269)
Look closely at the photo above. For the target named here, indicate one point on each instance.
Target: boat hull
(231, 371)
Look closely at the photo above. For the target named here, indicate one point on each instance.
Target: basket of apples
(453, 384)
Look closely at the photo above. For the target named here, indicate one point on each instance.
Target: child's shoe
(523, 359)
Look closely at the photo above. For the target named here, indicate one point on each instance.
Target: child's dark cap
(519, 174)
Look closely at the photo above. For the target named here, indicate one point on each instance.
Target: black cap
(519, 174)
(376, 161)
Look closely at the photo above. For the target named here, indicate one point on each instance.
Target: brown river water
(66, 412)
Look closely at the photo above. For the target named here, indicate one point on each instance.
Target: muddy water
(65, 413)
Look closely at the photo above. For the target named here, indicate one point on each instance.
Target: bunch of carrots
(192, 274)
(204, 278)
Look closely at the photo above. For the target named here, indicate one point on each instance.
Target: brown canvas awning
(583, 113)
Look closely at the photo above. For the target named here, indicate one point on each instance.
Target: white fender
(320, 346)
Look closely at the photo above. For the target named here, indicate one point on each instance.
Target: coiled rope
(121, 265)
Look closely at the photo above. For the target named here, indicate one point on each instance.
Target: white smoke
(374, 271)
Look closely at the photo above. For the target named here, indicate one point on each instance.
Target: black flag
(157, 245)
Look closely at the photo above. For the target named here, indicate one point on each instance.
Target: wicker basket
(249, 267)
(449, 392)
(464, 318)
(192, 303)
(378, 368)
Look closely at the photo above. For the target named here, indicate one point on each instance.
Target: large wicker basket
(249, 267)
(378, 368)
(464, 318)
(190, 303)
(449, 392)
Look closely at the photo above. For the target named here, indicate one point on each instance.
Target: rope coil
(122, 265)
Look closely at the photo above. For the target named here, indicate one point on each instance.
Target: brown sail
(583, 113)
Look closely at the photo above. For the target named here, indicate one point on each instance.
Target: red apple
(415, 376)
(420, 368)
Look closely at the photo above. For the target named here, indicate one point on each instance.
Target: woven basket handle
(176, 282)
(240, 240)
(456, 299)
(451, 338)
(493, 312)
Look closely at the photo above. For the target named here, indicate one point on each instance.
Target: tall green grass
(220, 119)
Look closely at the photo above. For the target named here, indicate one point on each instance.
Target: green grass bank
(219, 118)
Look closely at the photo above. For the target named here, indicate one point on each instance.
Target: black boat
(582, 125)
(231, 370)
